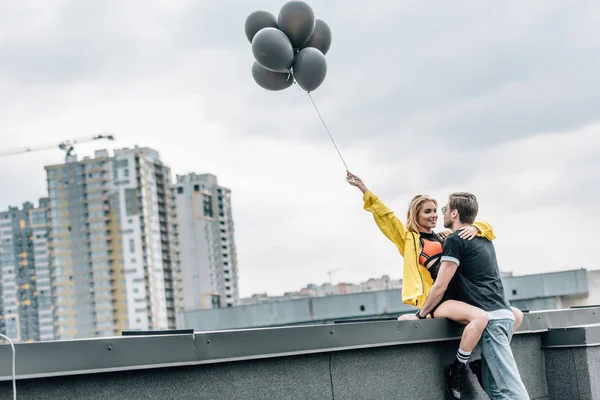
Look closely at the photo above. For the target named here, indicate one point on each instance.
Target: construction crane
(330, 272)
(68, 145)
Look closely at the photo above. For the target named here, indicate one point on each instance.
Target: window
(95, 185)
(196, 188)
(215, 301)
(131, 245)
(180, 190)
(207, 205)
(126, 173)
(39, 218)
(95, 195)
(96, 214)
(131, 202)
(95, 225)
(514, 292)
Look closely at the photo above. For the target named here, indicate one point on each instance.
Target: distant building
(530, 292)
(38, 220)
(312, 290)
(25, 283)
(206, 242)
(112, 244)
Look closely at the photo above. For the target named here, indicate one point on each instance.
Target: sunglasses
(444, 210)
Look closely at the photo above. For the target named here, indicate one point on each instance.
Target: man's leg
(487, 381)
(500, 375)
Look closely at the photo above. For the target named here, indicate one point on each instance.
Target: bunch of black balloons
(289, 47)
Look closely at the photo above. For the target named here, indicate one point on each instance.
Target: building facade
(207, 252)
(110, 242)
(26, 297)
(549, 291)
(148, 237)
(38, 220)
(326, 289)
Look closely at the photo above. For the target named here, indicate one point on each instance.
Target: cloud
(420, 96)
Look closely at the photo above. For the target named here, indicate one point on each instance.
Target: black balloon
(310, 68)
(297, 20)
(271, 80)
(257, 21)
(321, 37)
(273, 50)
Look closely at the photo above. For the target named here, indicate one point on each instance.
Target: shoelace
(456, 379)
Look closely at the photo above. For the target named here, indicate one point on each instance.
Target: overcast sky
(501, 99)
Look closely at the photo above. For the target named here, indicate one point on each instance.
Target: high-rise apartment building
(205, 233)
(148, 216)
(111, 243)
(38, 220)
(25, 283)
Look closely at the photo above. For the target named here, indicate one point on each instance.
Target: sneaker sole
(448, 390)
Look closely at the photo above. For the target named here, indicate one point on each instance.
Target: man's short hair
(466, 205)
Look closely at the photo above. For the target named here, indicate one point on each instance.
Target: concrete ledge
(409, 371)
(73, 357)
(387, 359)
(582, 336)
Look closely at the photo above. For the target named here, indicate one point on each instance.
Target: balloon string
(327, 129)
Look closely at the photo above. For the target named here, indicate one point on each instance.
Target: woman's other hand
(468, 232)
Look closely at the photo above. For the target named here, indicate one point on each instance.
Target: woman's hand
(468, 232)
(356, 181)
(407, 317)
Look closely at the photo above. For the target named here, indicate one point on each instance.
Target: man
(473, 270)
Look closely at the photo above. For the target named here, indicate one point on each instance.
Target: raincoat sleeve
(385, 219)
(485, 230)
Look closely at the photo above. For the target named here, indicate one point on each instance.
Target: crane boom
(330, 273)
(66, 145)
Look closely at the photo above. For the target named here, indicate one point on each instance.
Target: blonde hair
(412, 218)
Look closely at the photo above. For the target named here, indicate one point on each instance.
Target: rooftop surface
(373, 359)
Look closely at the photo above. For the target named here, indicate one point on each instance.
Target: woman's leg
(475, 318)
(518, 317)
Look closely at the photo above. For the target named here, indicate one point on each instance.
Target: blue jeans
(500, 376)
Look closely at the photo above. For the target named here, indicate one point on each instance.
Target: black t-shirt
(477, 278)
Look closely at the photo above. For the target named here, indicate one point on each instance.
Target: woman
(421, 249)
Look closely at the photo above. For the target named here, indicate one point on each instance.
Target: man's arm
(445, 275)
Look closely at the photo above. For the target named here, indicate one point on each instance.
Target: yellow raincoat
(416, 279)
